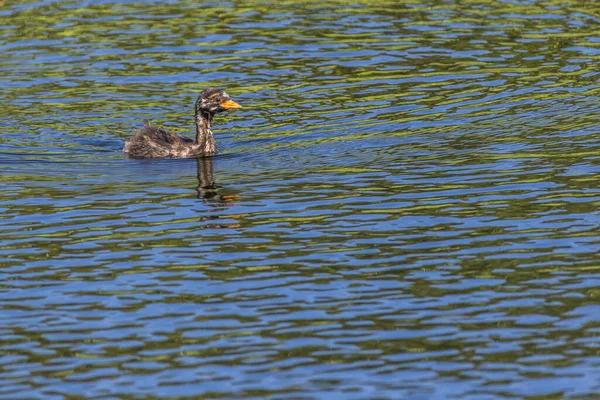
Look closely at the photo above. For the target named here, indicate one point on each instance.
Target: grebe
(152, 141)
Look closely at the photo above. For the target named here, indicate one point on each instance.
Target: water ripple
(406, 206)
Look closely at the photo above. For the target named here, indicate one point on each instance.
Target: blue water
(406, 206)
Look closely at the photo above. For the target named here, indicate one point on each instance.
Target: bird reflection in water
(207, 189)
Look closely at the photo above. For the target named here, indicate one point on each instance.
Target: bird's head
(213, 101)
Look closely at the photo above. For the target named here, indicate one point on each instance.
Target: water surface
(406, 206)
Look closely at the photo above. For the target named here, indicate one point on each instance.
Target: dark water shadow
(207, 188)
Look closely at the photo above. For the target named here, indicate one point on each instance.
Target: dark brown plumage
(153, 141)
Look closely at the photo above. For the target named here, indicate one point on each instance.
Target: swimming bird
(153, 141)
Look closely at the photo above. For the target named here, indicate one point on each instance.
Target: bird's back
(152, 141)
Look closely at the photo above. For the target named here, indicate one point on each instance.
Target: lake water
(406, 206)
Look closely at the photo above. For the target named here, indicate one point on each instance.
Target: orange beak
(230, 104)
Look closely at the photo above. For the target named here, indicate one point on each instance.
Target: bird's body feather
(153, 141)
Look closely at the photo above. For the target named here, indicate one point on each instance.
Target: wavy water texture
(406, 206)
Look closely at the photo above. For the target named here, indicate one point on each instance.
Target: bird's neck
(205, 141)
